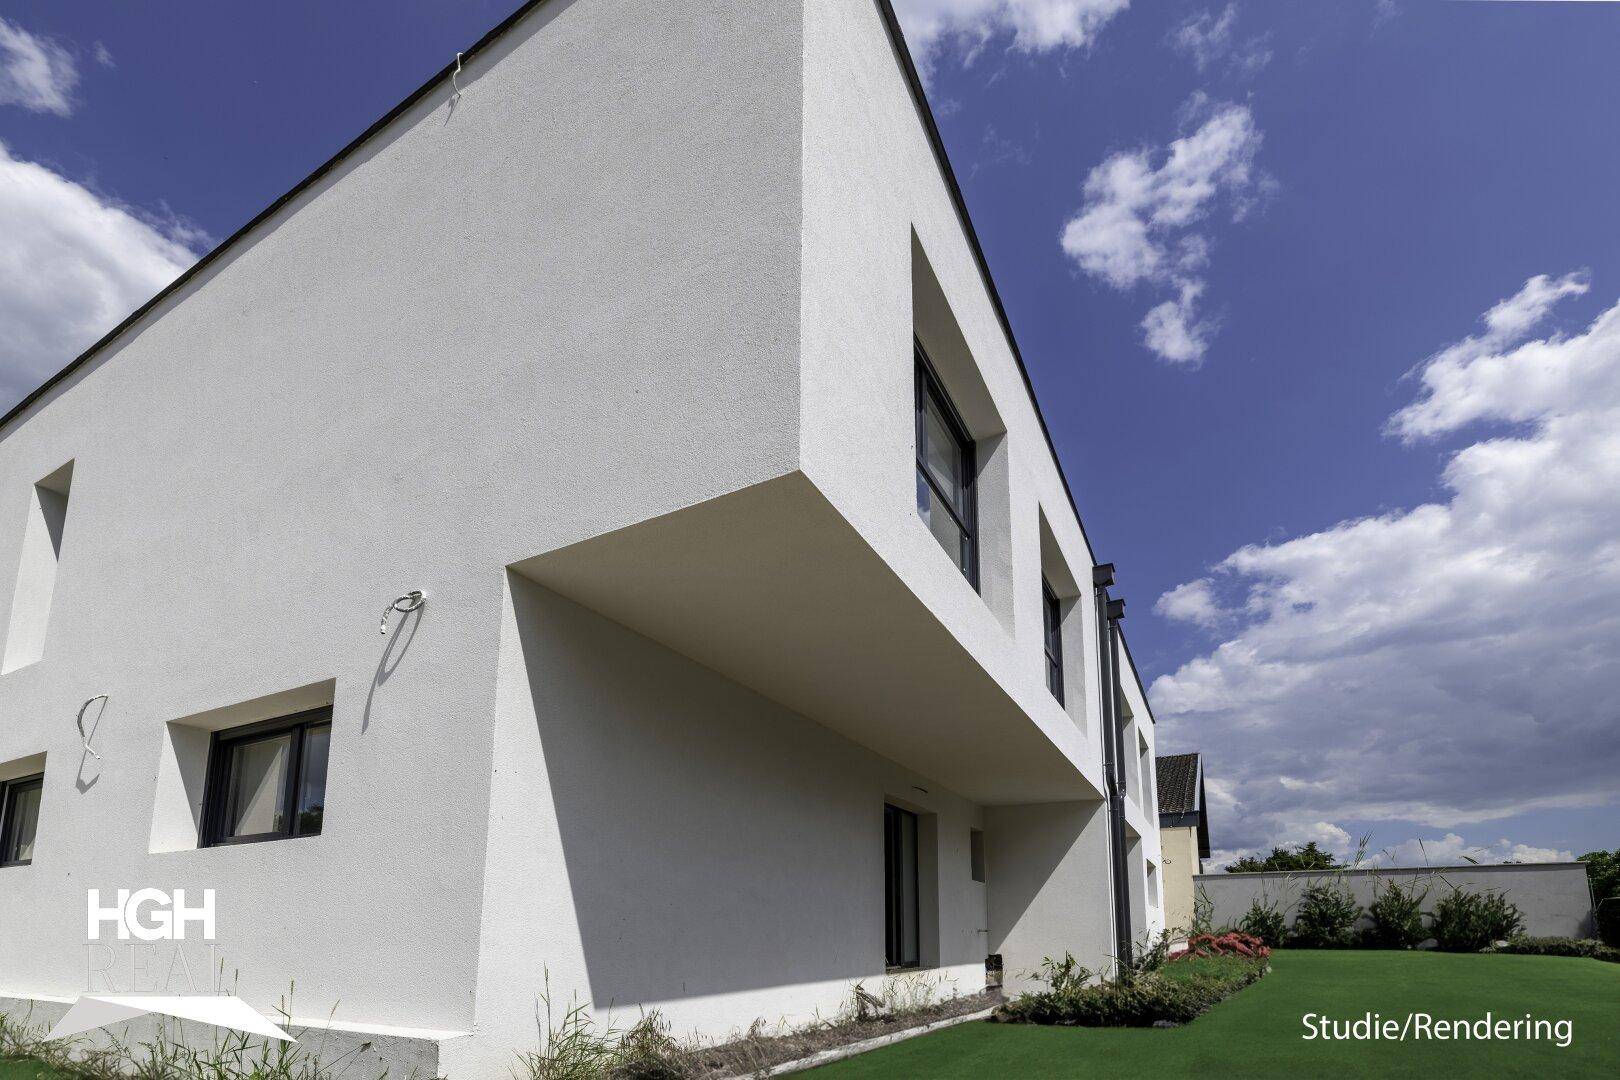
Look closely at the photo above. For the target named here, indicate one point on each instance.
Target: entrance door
(900, 939)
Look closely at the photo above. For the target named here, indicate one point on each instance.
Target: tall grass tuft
(171, 1055)
(1397, 916)
(1471, 921)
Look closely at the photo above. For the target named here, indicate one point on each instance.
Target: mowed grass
(28, 1070)
(1257, 1033)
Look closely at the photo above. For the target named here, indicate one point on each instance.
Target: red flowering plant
(1232, 943)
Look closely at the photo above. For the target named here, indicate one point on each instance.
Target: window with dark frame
(902, 915)
(976, 854)
(19, 818)
(945, 471)
(267, 781)
(1053, 618)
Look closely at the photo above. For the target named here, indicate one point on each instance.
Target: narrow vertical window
(976, 854)
(36, 570)
(1052, 619)
(902, 917)
(268, 781)
(945, 467)
(19, 819)
(1144, 773)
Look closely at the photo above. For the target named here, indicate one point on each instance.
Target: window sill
(239, 841)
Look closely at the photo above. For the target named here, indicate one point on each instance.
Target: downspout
(1109, 612)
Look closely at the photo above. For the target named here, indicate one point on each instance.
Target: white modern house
(760, 648)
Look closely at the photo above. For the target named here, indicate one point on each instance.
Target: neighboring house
(762, 649)
(1183, 834)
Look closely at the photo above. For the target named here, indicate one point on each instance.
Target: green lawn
(1258, 1031)
(26, 1070)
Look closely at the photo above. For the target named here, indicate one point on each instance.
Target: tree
(1305, 856)
(1603, 871)
(1603, 868)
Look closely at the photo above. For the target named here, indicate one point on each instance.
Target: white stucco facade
(612, 357)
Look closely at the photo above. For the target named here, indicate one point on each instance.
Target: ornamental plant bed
(574, 1048)
(759, 1051)
(1179, 991)
(1559, 946)
(1231, 943)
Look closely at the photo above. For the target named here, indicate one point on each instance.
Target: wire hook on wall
(455, 97)
(84, 736)
(405, 604)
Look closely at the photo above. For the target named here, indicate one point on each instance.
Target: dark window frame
(216, 788)
(1052, 639)
(976, 855)
(9, 790)
(895, 945)
(930, 388)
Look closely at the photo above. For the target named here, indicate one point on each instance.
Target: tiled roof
(1178, 783)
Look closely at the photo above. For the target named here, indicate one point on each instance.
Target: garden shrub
(1608, 920)
(1397, 917)
(1265, 922)
(1603, 872)
(1148, 956)
(1203, 917)
(1231, 943)
(1180, 992)
(1560, 946)
(1326, 918)
(1064, 976)
(1470, 921)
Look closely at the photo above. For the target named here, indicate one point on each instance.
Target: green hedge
(1175, 994)
(1560, 946)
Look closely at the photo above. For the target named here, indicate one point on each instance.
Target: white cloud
(1173, 331)
(1205, 36)
(1453, 850)
(73, 265)
(35, 72)
(1192, 602)
(1447, 850)
(1208, 38)
(1326, 835)
(969, 25)
(1135, 224)
(1480, 377)
(1454, 663)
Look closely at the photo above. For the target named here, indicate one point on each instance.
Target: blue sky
(1395, 626)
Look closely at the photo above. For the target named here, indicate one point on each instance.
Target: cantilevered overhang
(772, 587)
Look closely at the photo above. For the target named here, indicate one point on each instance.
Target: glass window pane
(942, 454)
(312, 780)
(940, 523)
(907, 900)
(901, 928)
(258, 775)
(22, 820)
